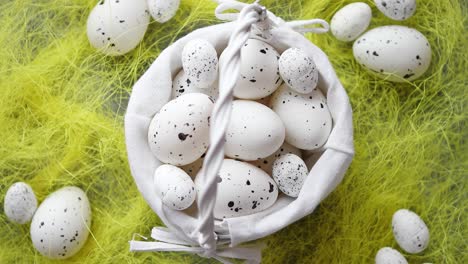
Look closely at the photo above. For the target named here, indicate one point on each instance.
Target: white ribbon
(300, 26)
(168, 241)
(253, 20)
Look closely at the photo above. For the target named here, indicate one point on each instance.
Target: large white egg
(116, 27)
(266, 164)
(175, 187)
(410, 231)
(243, 189)
(306, 117)
(298, 70)
(290, 173)
(179, 132)
(254, 131)
(396, 53)
(163, 10)
(183, 84)
(20, 203)
(388, 255)
(200, 62)
(259, 71)
(61, 224)
(396, 9)
(351, 21)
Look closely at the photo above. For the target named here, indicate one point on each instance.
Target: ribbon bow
(166, 240)
(301, 26)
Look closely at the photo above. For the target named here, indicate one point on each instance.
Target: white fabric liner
(153, 90)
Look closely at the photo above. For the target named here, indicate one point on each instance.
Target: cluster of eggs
(116, 27)
(410, 233)
(59, 226)
(271, 122)
(395, 53)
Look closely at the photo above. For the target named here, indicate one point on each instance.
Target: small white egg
(376, 50)
(163, 10)
(290, 173)
(61, 224)
(175, 187)
(351, 21)
(200, 62)
(388, 255)
(254, 131)
(243, 189)
(259, 71)
(306, 117)
(116, 27)
(20, 203)
(410, 231)
(182, 84)
(396, 9)
(179, 132)
(266, 164)
(298, 70)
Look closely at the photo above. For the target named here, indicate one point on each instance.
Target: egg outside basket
(202, 234)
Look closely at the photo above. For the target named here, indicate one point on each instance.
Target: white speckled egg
(351, 21)
(60, 227)
(116, 27)
(410, 231)
(306, 117)
(163, 10)
(396, 9)
(376, 50)
(243, 189)
(182, 84)
(266, 164)
(259, 72)
(179, 132)
(290, 173)
(200, 62)
(298, 70)
(388, 255)
(20, 203)
(175, 187)
(254, 131)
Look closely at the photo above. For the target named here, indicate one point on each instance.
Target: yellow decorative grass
(61, 123)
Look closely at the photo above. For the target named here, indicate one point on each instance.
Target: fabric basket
(200, 233)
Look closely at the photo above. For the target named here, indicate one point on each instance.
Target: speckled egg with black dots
(289, 173)
(179, 132)
(61, 224)
(200, 62)
(163, 10)
(306, 117)
(243, 189)
(394, 53)
(351, 21)
(20, 203)
(410, 231)
(298, 70)
(396, 9)
(116, 27)
(259, 71)
(174, 187)
(388, 255)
